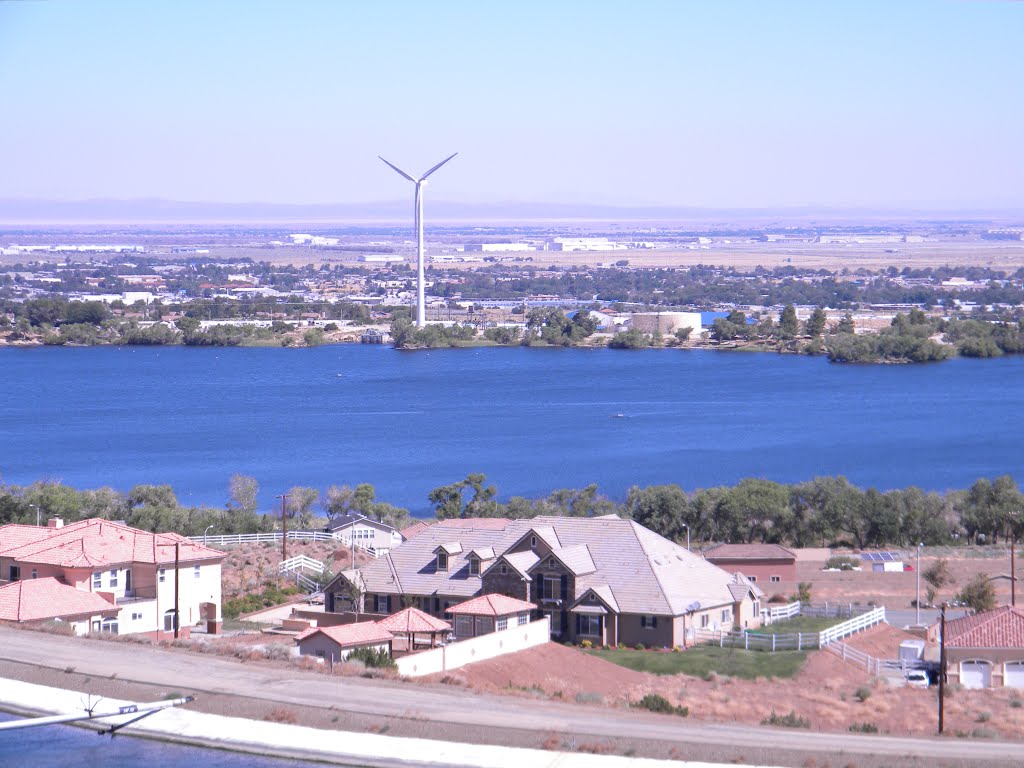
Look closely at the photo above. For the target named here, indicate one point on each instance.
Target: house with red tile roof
(151, 578)
(761, 563)
(336, 643)
(488, 613)
(985, 650)
(35, 601)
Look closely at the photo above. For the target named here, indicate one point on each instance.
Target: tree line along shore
(912, 337)
(824, 511)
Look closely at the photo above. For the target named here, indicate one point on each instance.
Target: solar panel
(882, 557)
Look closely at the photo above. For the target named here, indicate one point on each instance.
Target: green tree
(661, 508)
(978, 594)
(241, 514)
(936, 576)
(300, 503)
(789, 326)
(816, 322)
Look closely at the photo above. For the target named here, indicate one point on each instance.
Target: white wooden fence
(226, 540)
(780, 612)
(301, 563)
(796, 641)
(875, 666)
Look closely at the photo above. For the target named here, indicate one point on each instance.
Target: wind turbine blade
(424, 176)
(399, 170)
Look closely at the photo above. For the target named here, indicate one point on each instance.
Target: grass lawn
(703, 659)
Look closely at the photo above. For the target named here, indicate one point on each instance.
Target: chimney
(55, 522)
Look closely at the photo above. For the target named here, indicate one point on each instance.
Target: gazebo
(410, 622)
(489, 613)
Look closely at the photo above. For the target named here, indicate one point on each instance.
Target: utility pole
(918, 601)
(1013, 568)
(284, 526)
(942, 663)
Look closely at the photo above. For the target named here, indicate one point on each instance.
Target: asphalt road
(210, 674)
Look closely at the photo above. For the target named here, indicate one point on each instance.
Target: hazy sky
(716, 103)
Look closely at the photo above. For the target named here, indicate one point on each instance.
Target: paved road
(209, 674)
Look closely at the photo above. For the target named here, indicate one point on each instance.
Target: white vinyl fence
(226, 540)
(796, 641)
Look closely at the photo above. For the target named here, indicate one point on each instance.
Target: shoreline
(296, 742)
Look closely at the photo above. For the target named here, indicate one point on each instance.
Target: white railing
(837, 610)
(874, 666)
(301, 563)
(780, 612)
(796, 641)
(224, 540)
(303, 581)
(854, 625)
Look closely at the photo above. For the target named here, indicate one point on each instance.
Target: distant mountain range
(27, 211)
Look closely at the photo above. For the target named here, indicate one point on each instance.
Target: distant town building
(666, 322)
(583, 244)
(500, 247)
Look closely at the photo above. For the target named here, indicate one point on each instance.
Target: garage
(1013, 674)
(975, 674)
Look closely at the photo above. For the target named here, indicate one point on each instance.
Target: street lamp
(36, 508)
(206, 532)
(687, 527)
(919, 545)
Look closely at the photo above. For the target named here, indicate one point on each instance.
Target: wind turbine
(421, 317)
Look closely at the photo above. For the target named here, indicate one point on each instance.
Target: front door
(128, 583)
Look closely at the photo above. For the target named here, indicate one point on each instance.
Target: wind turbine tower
(421, 315)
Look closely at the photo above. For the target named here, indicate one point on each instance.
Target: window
(590, 626)
(195, 572)
(726, 615)
(169, 620)
(757, 608)
(14, 572)
(776, 579)
(484, 625)
(648, 622)
(752, 578)
(35, 574)
(504, 570)
(109, 625)
(321, 654)
(533, 542)
(442, 561)
(382, 603)
(501, 624)
(163, 575)
(97, 580)
(704, 621)
(552, 588)
(437, 605)
(463, 626)
(474, 566)
(136, 617)
(551, 562)
(113, 579)
(524, 618)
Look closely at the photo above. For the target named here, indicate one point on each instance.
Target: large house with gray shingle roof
(604, 579)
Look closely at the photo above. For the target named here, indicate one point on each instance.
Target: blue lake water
(531, 419)
(59, 746)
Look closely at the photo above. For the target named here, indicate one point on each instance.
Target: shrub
(841, 563)
(862, 694)
(984, 733)
(984, 717)
(640, 647)
(1016, 703)
(373, 658)
(585, 697)
(281, 715)
(586, 644)
(792, 720)
(863, 728)
(654, 702)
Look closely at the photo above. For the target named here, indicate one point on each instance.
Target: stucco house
(336, 643)
(365, 532)
(488, 613)
(133, 570)
(36, 601)
(985, 650)
(604, 579)
(761, 563)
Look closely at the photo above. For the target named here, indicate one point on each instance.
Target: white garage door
(1014, 674)
(975, 674)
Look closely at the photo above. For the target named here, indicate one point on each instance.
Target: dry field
(827, 691)
(249, 566)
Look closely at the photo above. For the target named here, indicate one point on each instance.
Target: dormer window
(474, 566)
(533, 542)
(442, 561)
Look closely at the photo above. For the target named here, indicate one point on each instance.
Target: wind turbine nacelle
(421, 183)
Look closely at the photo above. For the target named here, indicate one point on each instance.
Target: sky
(716, 104)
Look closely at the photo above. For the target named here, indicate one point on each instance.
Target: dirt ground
(248, 566)
(824, 691)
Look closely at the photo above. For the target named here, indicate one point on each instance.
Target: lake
(58, 746)
(532, 420)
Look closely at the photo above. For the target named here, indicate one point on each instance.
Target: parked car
(917, 678)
